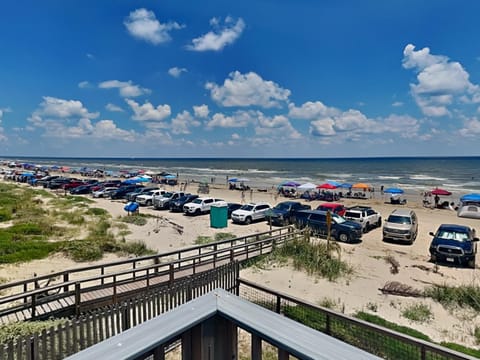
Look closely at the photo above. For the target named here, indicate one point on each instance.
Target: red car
(336, 208)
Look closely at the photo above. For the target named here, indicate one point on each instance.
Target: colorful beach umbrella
(333, 182)
(290, 183)
(393, 191)
(307, 186)
(327, 186)
(442, 192)
(361, 186)
(346, 185)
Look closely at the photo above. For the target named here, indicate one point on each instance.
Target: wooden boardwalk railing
(118, 281)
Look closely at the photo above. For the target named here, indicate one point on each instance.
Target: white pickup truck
(202, 205)
(146, 199)
(163, 202)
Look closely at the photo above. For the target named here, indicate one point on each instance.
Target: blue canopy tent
(393, 191)
(470, 197)
(334, 183)
(169, 176)
(345, 186)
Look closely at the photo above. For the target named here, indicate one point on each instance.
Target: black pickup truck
(282, 213)
(341, 229)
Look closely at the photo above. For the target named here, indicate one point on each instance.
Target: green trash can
(219, 216)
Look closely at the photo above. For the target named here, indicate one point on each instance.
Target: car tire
(198, 212)
(343, 237)
(366, 228)
(149, 203)
(248, 220)
(471, 263)
(379, 222)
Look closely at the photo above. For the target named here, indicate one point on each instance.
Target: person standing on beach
(243, 196)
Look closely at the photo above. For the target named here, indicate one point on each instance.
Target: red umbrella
(326, 186)
(441, 192)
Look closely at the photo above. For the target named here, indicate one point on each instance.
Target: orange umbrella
(361, 186)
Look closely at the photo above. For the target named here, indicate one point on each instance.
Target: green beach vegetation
(35, 224)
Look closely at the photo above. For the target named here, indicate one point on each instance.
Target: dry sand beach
(359, 291)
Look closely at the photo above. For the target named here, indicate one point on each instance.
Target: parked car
(401, 225)
(282, 213)
(44, 180)
(163, 201)
(340, 229)
(250, 212)
(73, 184)
(147, 198)
(122, 191)
(81, 190)
(231, 207)
(365, 216)
(132, 195)
(57, 183)
(336, 208)
(104, 192)
(112, 183)
(455, 244)
(201, 205)
(177, 205)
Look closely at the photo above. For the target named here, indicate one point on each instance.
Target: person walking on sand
(243, 196)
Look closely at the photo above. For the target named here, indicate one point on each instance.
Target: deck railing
(387, 344)
(117, 284)
(79, 333)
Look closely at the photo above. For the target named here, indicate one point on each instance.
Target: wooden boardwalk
(76, 291)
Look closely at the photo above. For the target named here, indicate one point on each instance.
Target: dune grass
(43, 223)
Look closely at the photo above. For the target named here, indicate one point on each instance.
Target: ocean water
(456, 174)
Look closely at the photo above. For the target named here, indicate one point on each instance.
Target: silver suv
(402, 225)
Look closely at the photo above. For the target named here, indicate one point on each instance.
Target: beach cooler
(131, 207)
(219, 216)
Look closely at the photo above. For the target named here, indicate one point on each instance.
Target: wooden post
(77, 298)
(65, 280)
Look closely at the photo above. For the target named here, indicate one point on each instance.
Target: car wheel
(198, 212)
(366, 228)
(379, 222)
(248, 220)
(433, 259)
(343, 237)
(149, 202)
(471, 263)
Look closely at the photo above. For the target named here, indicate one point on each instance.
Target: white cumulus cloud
(83, 84)
(113, 108)
(143, 24)
(219, 37)
(126, 88)
(201, 111)
(55, 108)
(182, 122)
(440, 82)
(148, 112)
(311, 110)
(176, 71)
(247, 90)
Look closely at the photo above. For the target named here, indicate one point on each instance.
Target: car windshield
(452, 235)
(338, 219)
(399, 219)
(197, 201)
(282, 206)
(168, 194)
(247, 207)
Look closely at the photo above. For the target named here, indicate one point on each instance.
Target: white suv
(250, 212)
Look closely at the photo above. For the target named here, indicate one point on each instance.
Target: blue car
(340, 229)
(454, 244)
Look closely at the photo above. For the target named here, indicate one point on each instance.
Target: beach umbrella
(333, 182)
(361, 186)
(327, 186)
(307, 186)
(169, 176)
(290, 183)
(393, 191)
(345, 185)
(470, 197)
(441, 192)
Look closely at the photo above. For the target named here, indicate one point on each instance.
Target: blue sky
(276, 78)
